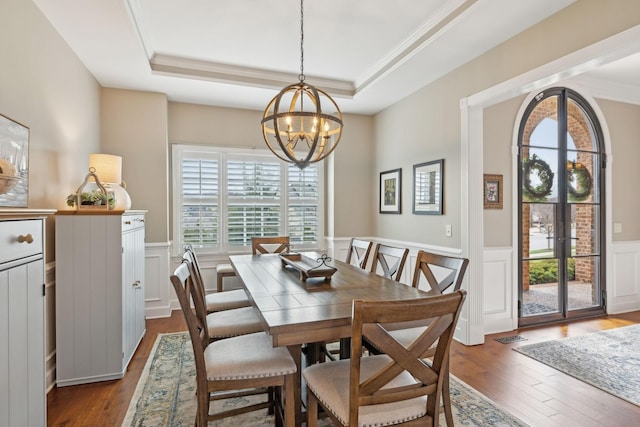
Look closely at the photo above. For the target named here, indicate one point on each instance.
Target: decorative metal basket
(100, 198)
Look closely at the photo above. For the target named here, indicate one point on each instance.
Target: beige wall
(421, 128)
(426, 125)
(623, 122)
(498, 127)
(350, 196)
(354, 191)
(45, 87)
(134, 126)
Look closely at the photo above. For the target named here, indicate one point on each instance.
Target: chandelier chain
(295, 134)
(301, 76)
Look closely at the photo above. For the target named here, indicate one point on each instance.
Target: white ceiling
(367, 54)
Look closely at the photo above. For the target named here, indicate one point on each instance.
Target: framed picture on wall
(492, 190)
(391, 191)
(428, 181)
(14, 163)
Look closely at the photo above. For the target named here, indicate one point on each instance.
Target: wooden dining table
(295, 312)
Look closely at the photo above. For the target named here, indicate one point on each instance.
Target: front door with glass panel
(561, 211)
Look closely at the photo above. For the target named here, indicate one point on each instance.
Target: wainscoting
(623, 277)
(158, 291)
(499, 283)
(499, 291)
(499, 279)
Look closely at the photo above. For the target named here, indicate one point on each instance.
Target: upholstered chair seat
(247, 357)
(223, 270)
(227, 300)
(330, 382)
(231, 323)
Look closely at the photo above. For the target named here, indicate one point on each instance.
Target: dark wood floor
(537, 394)
(105, 404)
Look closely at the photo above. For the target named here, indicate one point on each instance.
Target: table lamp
(109, 171)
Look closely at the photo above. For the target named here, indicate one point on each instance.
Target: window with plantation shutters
(303, 193)
(253, 198)
(223, 197)
(200, 207)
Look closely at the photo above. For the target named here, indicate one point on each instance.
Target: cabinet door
(139, 294)
(22, 376)
(133, 290)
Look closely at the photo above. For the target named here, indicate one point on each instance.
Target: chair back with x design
(358, 252)
(269, 245)
(390, 259)
(440, 271)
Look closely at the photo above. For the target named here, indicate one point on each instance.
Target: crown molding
(224, 73)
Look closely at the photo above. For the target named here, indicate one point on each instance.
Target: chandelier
(294, 125)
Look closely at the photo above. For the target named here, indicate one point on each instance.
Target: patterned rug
(165, 395)
(609, 360)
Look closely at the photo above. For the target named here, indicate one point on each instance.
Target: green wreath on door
(579, 180)
(540, 192)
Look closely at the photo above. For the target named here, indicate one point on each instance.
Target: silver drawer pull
(28, 238)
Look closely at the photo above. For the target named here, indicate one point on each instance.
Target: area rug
(609, 360)
(165, 395)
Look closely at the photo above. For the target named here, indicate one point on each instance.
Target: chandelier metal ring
(294, 125)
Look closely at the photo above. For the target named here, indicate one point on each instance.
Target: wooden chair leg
(272, 399)
(312, 410)
(220, 283)
(446, 397)
(203, 409)
(277, 406)
(289, 398)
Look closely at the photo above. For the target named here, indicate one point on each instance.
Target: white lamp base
(123, 201)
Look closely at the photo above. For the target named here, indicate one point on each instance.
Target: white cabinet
(22, 320)
(99, 294)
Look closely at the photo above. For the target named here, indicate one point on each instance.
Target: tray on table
(307, 267)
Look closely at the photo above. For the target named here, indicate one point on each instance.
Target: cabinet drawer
(19, 239)
(131, 222)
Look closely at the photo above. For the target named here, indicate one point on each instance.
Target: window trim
(178, 151)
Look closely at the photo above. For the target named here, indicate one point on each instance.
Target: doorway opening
(561, 210)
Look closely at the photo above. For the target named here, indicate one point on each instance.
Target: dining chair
(226, 323)
(223, 270)
(359, 252)
(393, 388)
(258, 245)
(390, 259)
(440, 273)
(269, 245)
(233, 367)
(221, 300)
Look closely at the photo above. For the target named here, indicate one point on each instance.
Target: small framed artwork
(391, 191)
(492, 191)
(428, 181)
(14, 163)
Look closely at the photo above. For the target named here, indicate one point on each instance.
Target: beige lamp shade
(108, 167)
